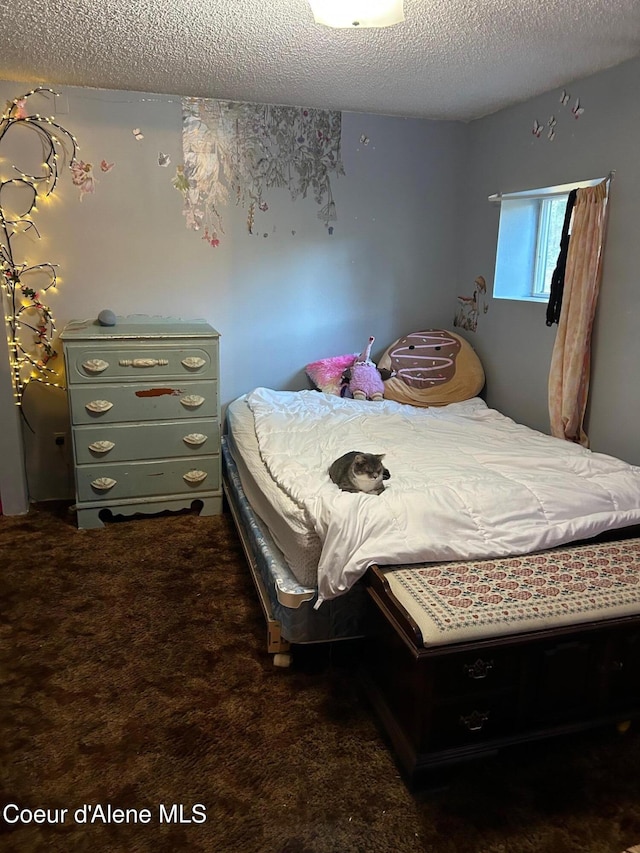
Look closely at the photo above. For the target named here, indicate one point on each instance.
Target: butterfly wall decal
(551, 126)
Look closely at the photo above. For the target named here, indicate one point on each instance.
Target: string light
(19, 298)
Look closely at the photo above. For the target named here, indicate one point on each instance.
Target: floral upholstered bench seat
(460, 601)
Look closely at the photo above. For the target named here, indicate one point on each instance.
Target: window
(529, 240)
(549, 233)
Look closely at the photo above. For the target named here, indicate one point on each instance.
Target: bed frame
(445, 704)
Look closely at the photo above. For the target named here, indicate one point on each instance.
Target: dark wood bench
(448, 689)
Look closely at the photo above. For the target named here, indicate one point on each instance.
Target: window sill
(541, 300)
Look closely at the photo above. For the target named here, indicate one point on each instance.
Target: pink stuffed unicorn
(365, 382)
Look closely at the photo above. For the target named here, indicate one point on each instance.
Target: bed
(469, 646)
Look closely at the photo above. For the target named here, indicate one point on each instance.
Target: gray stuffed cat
(359, 472)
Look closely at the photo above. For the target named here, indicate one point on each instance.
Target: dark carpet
(135, 677)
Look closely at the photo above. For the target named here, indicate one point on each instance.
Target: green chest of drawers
(145, 417)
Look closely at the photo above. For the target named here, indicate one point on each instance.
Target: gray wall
(279, 301)
(512, 339)
(414, 229)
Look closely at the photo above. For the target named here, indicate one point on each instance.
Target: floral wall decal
(82, 176)
(239, 151)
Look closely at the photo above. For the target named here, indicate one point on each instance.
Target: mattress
(293, 534)
(467, 483)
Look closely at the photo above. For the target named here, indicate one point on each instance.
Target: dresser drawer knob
(101, 446)
(195, 439)
(143, 362)
(103, 484)
(478, 670)
(95, 365)
(475, 721)
(192, 401)
(193, 362)
(195, 476)
(99, 406)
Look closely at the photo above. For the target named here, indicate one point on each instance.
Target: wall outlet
(60, 438)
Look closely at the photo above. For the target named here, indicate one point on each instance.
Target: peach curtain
(571, 358)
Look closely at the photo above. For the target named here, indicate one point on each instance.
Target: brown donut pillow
(433, 368)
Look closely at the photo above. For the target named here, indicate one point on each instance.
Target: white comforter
(466, 482)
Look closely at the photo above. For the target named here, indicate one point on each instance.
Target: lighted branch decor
(29, 322)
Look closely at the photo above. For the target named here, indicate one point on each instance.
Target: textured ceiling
(450, 59)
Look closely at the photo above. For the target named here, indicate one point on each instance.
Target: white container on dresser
(145, 416)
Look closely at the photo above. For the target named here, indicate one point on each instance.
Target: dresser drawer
(144, 362)
(120, 442)
(461, 723)
(143, 402)
(473, 672)
(113, 481)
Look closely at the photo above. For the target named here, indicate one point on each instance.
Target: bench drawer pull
(475, 721)
(478, 670)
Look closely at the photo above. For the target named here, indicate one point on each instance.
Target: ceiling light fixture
(357, 13)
